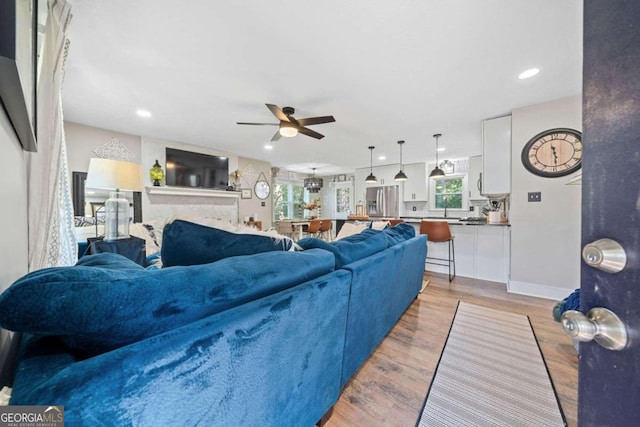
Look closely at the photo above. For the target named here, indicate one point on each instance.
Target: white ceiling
(386, 70)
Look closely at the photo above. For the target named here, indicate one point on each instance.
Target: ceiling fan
(290, 126)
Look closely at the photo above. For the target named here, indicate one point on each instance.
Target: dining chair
(439, 232)
(285, 228)
(314, 227)
(325, 230)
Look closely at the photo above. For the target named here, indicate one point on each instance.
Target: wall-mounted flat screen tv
(189, 169)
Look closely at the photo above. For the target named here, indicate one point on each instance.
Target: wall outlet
(413, 208)
(535, 196)
(471, 208)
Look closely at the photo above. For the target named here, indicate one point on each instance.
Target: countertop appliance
(383, 201)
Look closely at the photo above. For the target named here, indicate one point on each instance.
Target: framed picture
(245, 193)
(18, 67)
(342, 178)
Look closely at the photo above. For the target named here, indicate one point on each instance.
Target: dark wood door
(609, 381)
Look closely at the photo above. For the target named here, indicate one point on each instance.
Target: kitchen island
(482, 249)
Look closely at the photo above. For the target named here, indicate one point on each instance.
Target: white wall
(545, 236)
(250, 170)
(82, 140)
(14, 252)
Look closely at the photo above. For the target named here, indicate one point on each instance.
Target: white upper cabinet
(415, 188)
(496, 156)
(384, 175)
(475, 178)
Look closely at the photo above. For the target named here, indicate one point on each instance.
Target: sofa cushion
(107, 301)
(187, 243)
(399, 233)
(351, 248)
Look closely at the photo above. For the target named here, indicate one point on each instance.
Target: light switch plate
(535, 196)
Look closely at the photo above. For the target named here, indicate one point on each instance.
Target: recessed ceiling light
(143, 113)
(528, 73)
(268, 147)
(441, 149)
(382, 158)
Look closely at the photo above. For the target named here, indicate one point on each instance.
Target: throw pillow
(349, 229)
(187, 243)
(379, 225)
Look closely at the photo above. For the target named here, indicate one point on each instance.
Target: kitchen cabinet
(415, 188)
(496, 156)
(475, 179)
(384, 174)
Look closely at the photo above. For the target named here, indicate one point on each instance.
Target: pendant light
(400, 176)
(313, 184)
(371, 179)
(436, 172)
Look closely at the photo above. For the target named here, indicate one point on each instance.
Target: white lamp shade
(111, 174)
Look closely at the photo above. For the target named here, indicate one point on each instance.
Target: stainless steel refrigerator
(383, 201)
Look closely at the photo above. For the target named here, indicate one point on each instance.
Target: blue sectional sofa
(263, 339)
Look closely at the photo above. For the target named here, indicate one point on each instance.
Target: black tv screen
(188, 169)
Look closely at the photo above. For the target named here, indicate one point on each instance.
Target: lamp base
(116, 221)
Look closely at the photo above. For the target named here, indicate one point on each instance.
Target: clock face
(553, 153)
(262, 189)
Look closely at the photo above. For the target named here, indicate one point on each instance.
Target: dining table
(298, 228)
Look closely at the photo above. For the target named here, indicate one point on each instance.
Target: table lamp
(108, 174)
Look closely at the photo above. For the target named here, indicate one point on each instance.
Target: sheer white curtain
(51, 238)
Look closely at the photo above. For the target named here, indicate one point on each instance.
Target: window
(288, 199)
(448, 193)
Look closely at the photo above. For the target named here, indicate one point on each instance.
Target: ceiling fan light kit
(436, 172)
(401, 176)
(289, 126)
(288, 130)
(371, 179)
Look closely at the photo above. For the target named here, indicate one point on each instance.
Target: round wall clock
(262, 189)
(553, 153)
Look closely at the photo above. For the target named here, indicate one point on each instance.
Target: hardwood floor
(390, 388)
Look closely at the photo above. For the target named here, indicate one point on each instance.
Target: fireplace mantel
(187, 191)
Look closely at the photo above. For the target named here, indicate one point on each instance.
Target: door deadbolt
(606, 255)
(600, 325)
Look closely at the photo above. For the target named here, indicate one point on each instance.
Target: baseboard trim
(537, 290)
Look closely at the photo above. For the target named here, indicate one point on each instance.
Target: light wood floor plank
(391, 386)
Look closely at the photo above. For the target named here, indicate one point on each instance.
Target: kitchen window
(448, 193)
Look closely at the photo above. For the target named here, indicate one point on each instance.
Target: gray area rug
(491, 373)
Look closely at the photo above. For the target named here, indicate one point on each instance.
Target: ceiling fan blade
(277, 111)
(316, 120)
(311, 133)
(276, 136)
(258, 124)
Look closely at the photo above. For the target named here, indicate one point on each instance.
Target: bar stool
(439, 232)
(325, 229)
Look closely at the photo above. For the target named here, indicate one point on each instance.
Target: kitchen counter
(452, 221)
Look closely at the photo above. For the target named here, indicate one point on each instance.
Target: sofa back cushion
(351, 248)
(187, 243)
(399, 233)
(107, 301)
